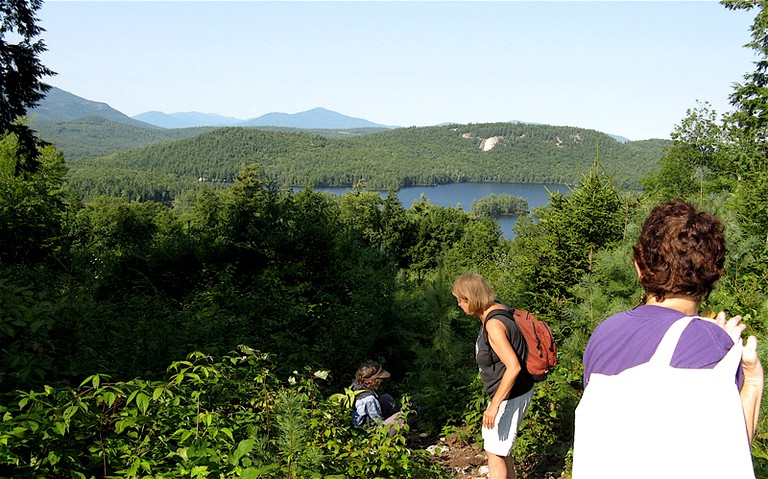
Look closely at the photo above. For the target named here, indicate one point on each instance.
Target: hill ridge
(387, 159)
(59, 105)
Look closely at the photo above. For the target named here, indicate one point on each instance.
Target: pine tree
(20, 74)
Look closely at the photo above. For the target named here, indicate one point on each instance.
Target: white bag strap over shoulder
(666, 349)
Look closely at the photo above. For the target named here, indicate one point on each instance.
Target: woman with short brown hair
(639, 415)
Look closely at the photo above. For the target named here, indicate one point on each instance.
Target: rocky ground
(465, 460)
(454, 454)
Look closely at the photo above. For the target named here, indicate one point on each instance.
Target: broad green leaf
(157, 393)
(109, 398)
(142, 401)
(132, 396)
(200, 471)
(60, 428)
(245, 446)
(120, 426)
(228, 432)
(69, 412)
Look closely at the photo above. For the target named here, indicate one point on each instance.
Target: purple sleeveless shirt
(630, 338)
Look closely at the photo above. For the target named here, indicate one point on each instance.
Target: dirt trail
(465, 460)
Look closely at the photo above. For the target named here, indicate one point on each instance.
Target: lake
(463, 194)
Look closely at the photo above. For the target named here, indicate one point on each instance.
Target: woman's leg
(500, 467)
(501, 438)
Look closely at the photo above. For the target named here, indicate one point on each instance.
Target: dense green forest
(385, 160)
(210, 334)
(500, 205)
(91, 136)
(207, 338)
(95, 136)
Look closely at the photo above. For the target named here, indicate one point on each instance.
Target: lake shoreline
(463, 194)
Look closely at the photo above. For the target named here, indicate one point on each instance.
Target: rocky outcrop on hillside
(486, 144)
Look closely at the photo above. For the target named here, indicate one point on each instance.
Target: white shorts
(500, 439)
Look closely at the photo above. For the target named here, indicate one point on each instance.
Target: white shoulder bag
(657, 421)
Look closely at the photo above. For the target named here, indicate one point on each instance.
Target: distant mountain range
(61, 106)
(317, 118)
(185, 120)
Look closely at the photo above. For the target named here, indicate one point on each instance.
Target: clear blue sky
(625, 68)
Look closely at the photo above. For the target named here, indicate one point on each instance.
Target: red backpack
(542, 351)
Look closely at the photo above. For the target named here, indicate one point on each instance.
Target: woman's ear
(637, 268)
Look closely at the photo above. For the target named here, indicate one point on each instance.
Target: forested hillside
(60, 106)
(95, 136)
(498, 152)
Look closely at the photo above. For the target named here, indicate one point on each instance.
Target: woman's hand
(489, 416)
(752, 390)
(732, 326)
(753, 370)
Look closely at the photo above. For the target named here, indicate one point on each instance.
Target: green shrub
(231, 418)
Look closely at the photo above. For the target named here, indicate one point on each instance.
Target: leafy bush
(231, 418)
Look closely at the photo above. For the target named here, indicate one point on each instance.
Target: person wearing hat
(369, 407)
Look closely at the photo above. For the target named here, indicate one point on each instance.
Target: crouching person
(369, 407)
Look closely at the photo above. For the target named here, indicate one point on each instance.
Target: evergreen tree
(552, 254)
(20, 74)
(749, 126)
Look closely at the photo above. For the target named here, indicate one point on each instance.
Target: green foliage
(386, 160)
(500, 205)
(20, 75)
(123, 286)
(552, 254)
(31, 205)
(91, 136)
(309, 275)
(229, 418)
(698, 161)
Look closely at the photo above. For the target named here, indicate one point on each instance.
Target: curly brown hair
(680, 252)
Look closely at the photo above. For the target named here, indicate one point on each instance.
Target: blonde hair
(475, 290)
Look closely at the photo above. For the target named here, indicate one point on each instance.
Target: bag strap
(666, 348)
(508, 313)
(668, 344)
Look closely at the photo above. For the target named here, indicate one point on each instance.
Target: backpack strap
(508, 313)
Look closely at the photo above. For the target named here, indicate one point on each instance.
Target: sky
(625, 68)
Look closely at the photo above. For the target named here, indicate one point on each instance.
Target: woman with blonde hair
(500, 353)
